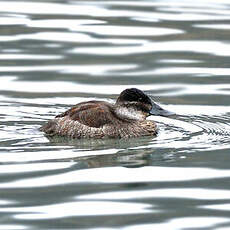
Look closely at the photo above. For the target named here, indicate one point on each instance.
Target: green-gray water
(55, 54)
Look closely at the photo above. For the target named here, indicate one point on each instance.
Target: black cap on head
(135, 95)
(146, 104)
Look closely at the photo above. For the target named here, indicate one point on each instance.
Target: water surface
(55, 54)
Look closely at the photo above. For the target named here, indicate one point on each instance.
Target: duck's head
(136, 105)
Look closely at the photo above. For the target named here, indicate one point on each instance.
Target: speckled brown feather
(92, 113)
(96, 119)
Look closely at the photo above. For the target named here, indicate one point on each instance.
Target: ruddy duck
(98, 119)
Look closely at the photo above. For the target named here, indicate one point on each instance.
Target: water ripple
(59, 53)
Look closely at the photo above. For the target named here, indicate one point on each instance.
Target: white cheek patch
(130, 113)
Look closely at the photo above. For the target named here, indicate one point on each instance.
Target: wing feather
(92, 113)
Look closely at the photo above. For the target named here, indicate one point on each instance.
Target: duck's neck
(129, 113)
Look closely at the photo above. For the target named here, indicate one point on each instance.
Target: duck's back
(85, 119)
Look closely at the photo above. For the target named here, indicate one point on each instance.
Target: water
(55, 54)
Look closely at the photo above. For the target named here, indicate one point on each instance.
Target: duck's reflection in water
(96, 153)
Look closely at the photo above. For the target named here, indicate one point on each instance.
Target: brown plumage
(98, 119)
(91, 113)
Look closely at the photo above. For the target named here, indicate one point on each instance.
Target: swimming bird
(99, 119)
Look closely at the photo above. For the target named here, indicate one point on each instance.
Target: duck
(126, 118)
